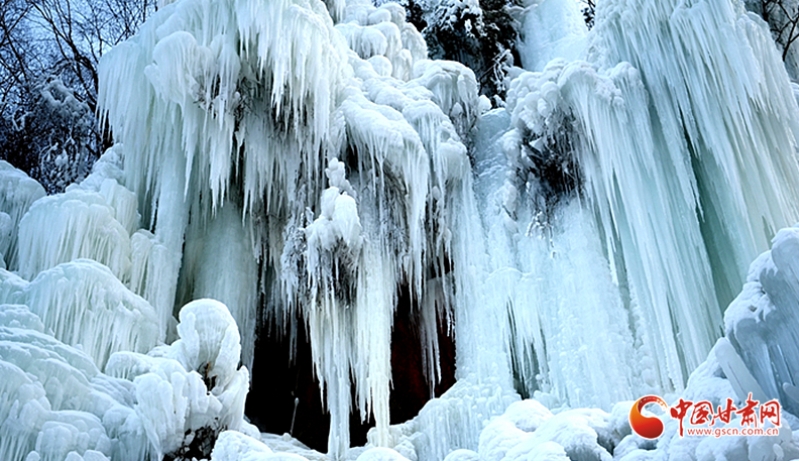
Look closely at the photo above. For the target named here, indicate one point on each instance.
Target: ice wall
(721, 103)
(17, 195)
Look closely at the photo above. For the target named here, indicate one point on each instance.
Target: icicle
(644, 215)
(725, 109)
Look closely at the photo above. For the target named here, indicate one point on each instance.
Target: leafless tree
(783, 19)
(80, 31)
(49, 52)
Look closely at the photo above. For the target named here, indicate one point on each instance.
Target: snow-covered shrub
(480, 34)
(588, 8)
(544, 143)
(57, 132)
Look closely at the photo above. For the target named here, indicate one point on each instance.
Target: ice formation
(759, 321)
(193, 388)
(258, 109)
(677, 190)
(57, 405)
(17, 195)
(302, 163)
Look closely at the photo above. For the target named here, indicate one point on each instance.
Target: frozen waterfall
(301, 163)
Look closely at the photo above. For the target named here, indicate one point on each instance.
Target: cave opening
(278, 382)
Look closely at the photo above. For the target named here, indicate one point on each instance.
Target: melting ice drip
(268, 156)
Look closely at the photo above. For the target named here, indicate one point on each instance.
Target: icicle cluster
(681, 153)
(82, 302)
(340, 148)
(726, 109)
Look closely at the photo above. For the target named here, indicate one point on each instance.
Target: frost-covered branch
(45, 41)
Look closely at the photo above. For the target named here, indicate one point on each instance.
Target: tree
(589, 10)
(783, 19)
(479, 34)
(49, 51)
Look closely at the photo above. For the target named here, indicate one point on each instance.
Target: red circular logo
(648, 427)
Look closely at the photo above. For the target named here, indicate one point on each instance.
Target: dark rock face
(411, 386)
(277, 382)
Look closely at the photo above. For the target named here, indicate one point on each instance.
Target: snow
(456, 420)
(235, 446)
(710, 382)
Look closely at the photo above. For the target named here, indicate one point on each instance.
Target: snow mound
(192, 390)
(528, 430)
(235, 446)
